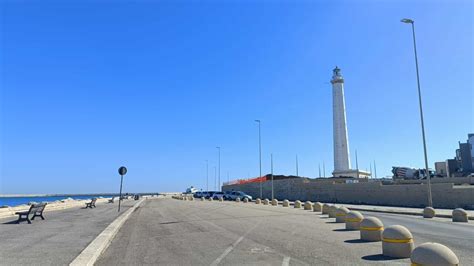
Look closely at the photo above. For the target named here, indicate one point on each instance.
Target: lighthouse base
(354, 173)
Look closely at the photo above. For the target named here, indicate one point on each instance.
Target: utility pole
(319, 167)
(207, 175)
(324, 170)
(357, 165)
(297, 165)
(260, 155)
(219, 164)
(271, 162)
(375, 169)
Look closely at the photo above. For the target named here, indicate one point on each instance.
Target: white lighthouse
(342, 162)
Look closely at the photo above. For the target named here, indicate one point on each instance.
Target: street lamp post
(207, 175)
(297, 165)
(271, 166)
(219, 171)
(260, 155)
(427, 173)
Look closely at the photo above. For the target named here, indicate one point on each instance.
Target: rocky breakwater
(7, 211)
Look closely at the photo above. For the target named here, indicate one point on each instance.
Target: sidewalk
(443, 213)
(59, 238)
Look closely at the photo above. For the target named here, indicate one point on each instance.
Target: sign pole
(120, 197)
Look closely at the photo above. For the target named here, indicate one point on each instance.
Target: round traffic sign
(122, 170)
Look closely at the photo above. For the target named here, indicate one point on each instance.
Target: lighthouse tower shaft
(341, 142)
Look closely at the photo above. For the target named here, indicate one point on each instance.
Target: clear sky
(88, 86)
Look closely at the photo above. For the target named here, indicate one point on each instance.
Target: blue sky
(88, 86)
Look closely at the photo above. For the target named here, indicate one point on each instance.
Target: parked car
(227, 195)
(218, 195)
(239, 194)
(198, 194)
(210, 194)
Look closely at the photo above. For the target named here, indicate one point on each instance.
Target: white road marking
(286, 261)
(229, 249)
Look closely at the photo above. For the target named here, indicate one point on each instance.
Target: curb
(92, 252)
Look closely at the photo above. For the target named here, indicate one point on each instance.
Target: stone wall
(445, 195)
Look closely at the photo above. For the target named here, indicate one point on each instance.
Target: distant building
(441, 169)
(470, 140)
(452, 167)
(465, 157)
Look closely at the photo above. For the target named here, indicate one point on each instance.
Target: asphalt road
(58, 239)
(174, 232)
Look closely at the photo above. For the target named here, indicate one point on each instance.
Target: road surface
(174, 232)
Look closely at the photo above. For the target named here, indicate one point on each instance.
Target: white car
(239, 194)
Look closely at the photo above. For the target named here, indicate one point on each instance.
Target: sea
(15, 201)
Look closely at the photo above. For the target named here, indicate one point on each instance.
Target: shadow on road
(343, 230)
(355, 241)
(378, 257)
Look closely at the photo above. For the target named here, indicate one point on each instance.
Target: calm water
(14, 201)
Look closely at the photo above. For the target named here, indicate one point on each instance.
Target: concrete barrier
(258, 201)
(297, 204)
(274, 202)
(332, 211)
(308, 205)
(371, 229)
(286, 203)
(460, 215)
(353, 219)
(429, 212)
(397, 242)
(246, 200)
(433, 254)
(266, 202)
(237, 199)
(317, 207)
(325, 209)
(341, 213)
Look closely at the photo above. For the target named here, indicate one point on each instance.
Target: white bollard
(297, 204)
(274, 202)
(460, 215)
(433, 254)
(286, 203)
(429, 212)
(353, 219)
(371, 229)
(397, 242)
(341, 213)
(318, 207)
(308, 205)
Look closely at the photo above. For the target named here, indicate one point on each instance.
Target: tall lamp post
(427, 173)
(219, 171)
(271, 161)
(207, 175)
(260, 154)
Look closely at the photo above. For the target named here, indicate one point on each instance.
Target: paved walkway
(56, 240)
(174, 232)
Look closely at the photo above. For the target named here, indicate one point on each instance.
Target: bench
(91, 204)
(35, 210)
(112, 200)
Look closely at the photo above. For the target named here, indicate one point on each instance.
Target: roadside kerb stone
(353, 219)
(371, 229)
(460, 215)
(433, 254)
(397, 242)
(429, 212)
(341, 213)
(91, 253)
(308, 205)
(286, 203)
(317, 207)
